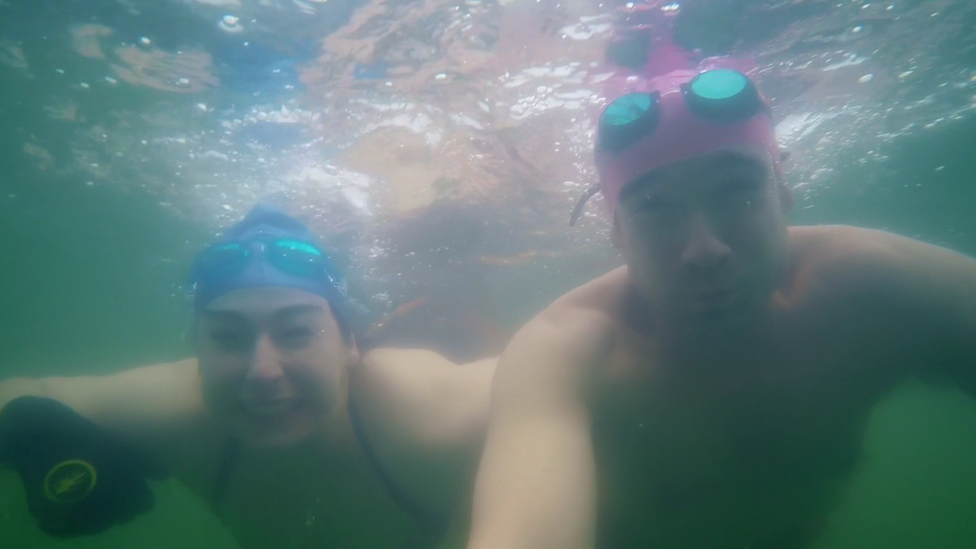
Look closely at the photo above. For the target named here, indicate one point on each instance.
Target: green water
(924, 190)
(83, 294)
(915, 487)
(178, 520)
(88, 285)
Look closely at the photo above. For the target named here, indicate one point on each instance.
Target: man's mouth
(713, 298)
(271, 408)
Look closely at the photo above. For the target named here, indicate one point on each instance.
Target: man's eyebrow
(720, 160)
(735, 159)
(649, 179)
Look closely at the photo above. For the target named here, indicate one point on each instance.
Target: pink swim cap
(679, 134)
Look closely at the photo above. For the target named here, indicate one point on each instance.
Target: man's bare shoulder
(854, 256)
(579, 323)
(839, 242)
(879, 273)
(602, 294)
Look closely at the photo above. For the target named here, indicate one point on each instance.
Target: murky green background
(83, 290)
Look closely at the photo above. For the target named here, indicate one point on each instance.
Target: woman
(294, 436)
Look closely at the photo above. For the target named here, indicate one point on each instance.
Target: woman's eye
(229, 341)
(295, 337)
(299, 332)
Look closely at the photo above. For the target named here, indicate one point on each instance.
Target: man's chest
(755, 455)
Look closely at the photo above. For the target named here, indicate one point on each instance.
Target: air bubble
(230, 23)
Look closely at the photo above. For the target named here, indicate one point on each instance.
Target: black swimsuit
(433, 526)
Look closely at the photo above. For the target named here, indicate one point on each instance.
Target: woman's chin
(281, 430)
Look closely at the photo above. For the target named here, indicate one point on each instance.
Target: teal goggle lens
(627, 119)
(720, 84)
(223, 260)
(297, 258)
(722, 95)
(292, 257)
(627, 109)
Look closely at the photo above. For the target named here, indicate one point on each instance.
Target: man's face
(273, 363)
(705, 238)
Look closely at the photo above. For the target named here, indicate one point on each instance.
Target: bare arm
(925, 295)
(536, 487)
(144, 405)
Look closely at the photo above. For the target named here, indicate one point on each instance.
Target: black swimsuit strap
(433, 526)
(225, 470)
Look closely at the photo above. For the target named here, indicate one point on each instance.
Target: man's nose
(703, 247)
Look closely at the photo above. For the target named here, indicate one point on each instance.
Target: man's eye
(740, 184)
(654, 205)
(659, 212)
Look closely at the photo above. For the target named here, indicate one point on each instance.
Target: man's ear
(354, 357)
(615, 237)
(786, 201)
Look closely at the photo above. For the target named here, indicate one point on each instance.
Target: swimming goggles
(720, 96)
(290, 256)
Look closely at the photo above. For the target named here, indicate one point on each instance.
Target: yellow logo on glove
(69, 481)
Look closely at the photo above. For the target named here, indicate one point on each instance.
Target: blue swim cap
(267, 248)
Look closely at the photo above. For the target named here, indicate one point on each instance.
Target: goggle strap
(578, 208)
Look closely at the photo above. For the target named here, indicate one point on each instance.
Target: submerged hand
(79, 479)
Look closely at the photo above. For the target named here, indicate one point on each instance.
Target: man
(293, 436)
(712, 393)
